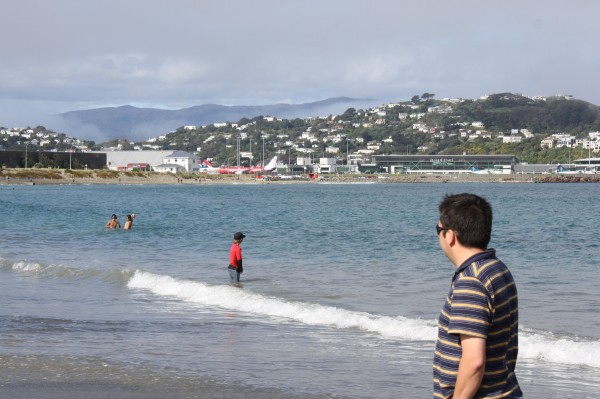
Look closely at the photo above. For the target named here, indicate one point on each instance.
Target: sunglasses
(439, 229)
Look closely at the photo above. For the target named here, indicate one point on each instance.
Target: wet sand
(23, 377)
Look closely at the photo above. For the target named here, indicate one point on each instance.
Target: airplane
(206, 167)
(476, 171)
(233, 170)
(238, 170)
(267, 168)
(562, 170)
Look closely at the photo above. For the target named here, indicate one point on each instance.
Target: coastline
(67, 177)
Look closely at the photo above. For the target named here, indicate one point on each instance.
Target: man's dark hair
(470, 216)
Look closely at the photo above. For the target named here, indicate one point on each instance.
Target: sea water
(342, 285)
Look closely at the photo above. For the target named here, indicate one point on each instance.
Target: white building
(303, 161)
(548, 142)
(511, 139)
(118, 160)
(179, 161)
(440, 109)
(564, 140)
(594, 135)
(326, 165)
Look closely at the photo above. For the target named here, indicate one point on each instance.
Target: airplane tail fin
(271, 164)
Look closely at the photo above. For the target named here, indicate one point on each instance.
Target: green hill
(422, 125)
(504, 123)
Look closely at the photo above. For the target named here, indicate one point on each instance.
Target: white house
(594, 135)
(307, 135)
(440, 109)
(179, 161)
(168, 168)
(511, 139)
(564, 140)
(548, 142)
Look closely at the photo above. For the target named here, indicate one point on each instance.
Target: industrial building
(500, 164)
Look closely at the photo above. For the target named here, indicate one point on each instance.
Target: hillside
(141, 123)
(503, 123)
(420, 126)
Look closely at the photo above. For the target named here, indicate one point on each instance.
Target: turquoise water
(341, 290)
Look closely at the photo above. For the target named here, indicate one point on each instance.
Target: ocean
(341, 289)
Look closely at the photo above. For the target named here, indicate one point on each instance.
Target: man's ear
(450, 237)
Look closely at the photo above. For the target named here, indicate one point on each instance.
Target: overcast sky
(64, 55)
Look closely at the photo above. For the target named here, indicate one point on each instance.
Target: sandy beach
(57, 176)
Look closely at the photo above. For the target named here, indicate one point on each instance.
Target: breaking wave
(533, 345)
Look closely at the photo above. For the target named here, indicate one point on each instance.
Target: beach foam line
(233, 298)
(544, 346)
(61, 271)
(532, 345)
(547, 347)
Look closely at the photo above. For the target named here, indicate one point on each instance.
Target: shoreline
(67, 177)
(49, 377)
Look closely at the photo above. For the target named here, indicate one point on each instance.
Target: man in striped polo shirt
(477, 344)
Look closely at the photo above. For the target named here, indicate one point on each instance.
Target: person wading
(235, 259)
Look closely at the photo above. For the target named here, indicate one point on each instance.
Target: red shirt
(235, 255)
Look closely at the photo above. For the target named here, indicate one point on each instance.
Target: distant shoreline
(68, 177)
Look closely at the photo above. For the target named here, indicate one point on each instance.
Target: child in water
(129, 222)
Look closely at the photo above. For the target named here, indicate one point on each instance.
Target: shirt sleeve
(470, 312)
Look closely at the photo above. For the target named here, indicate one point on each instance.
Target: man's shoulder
(487, 275)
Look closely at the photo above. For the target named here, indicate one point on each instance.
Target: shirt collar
(486, 254)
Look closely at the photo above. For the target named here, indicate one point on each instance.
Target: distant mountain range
(141, 123)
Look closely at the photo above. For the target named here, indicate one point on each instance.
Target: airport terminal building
(446, 164)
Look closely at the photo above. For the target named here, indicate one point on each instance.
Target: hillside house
(511, 139)
(548, 142)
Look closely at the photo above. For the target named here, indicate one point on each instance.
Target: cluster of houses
(40, 138)
(592, 142)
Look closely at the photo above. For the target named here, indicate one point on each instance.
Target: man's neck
(463, 253)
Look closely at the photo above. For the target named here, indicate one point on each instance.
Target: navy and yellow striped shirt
(482, 303)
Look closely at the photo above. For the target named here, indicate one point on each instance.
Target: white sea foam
(559, 350)
(545, 347)
(313, 314)
(40, 269)
(23, 266)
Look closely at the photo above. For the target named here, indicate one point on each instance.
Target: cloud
(67, 54)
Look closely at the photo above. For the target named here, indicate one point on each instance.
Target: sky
(65, 55)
